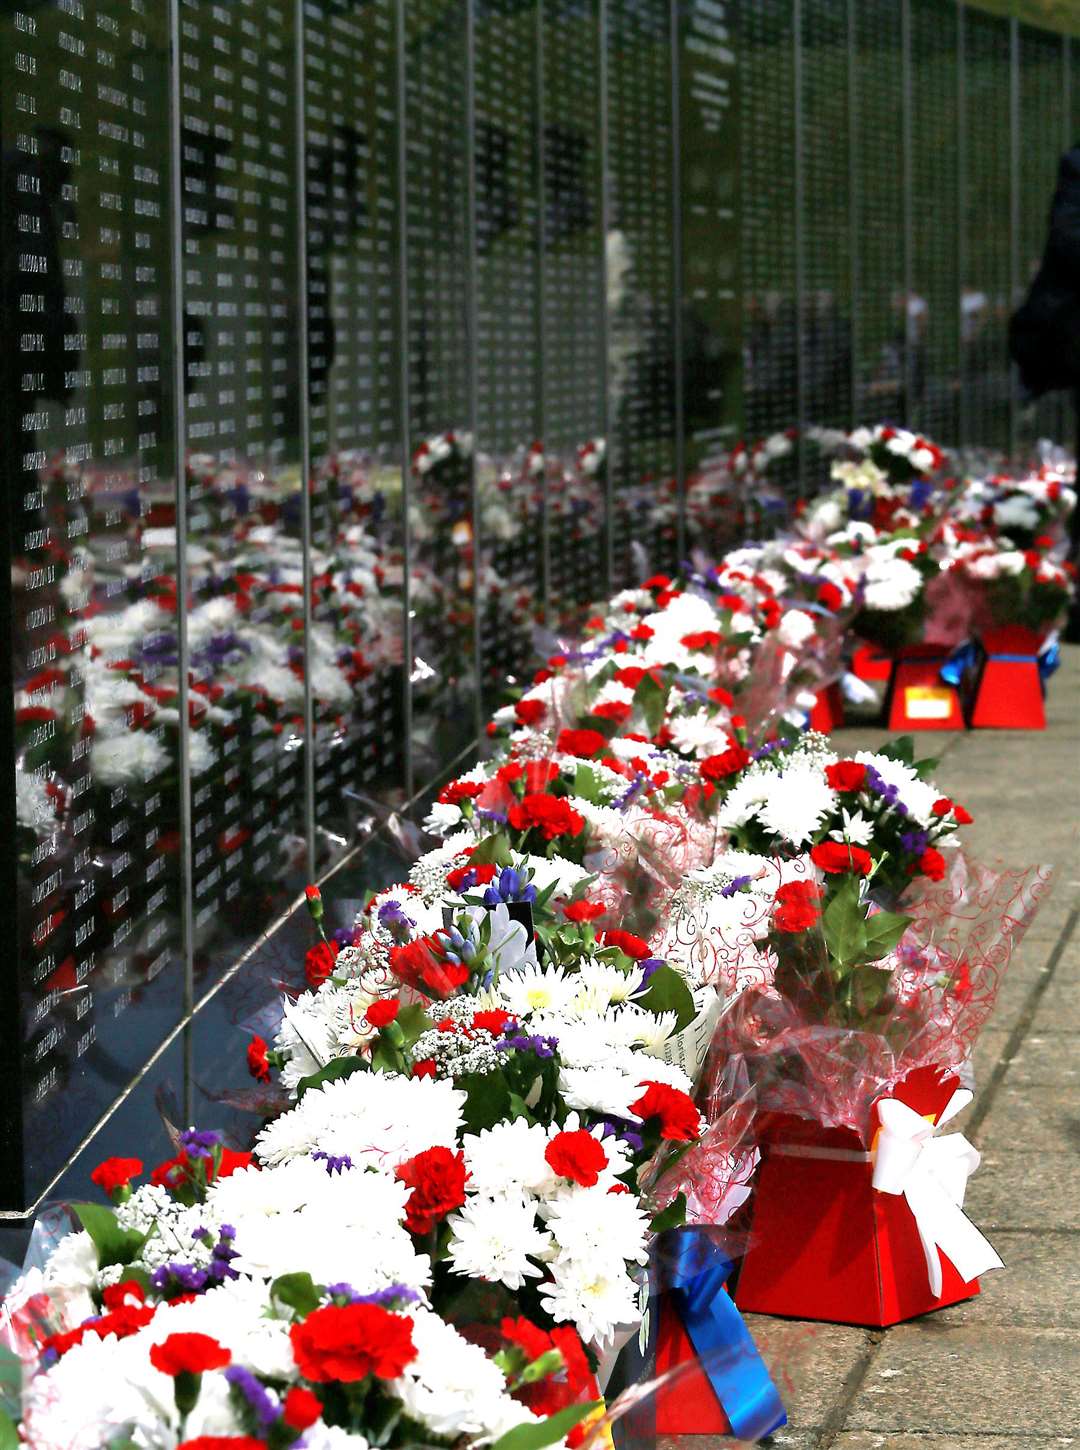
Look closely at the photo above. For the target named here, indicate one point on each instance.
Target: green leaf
(337, 1067)
(492, 851)
(9, 1436)
(868, 986)
(902, 749)
(114, 1244)
(653, 701)
(296, 1290)
(413, 1021)
(586, 784)
(883, 931)
(546, 1432)
(667, 992)
(844, 924)
(518, 1108)
(674, 1216)
(487, 1099)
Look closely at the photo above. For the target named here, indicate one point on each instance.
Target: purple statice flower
(222, 1255)
(343, 936)
(483, 814)
(520, 1042)
(334, 1163)
(648, 968)
(631, 791)
(914, 842)
(624, 1130)
(391, 1295)
(263, 1404)
(392, 913)
(176, 1278)
(198, 1143)
(735, 886)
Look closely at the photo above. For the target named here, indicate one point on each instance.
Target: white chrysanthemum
(600, 985)
(797, 803)
(497, 1239)
(537, 989)
(795, 628)
(377, 1118)
(891, 584)
(451, 1386)
(595, 1296)
(918, 795)
(508, 1157)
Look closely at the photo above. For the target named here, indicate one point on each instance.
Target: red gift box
(871, 662)
(824, 1243)
(1010, 695)
(688, 1405)
(919, 698)
(828, 711)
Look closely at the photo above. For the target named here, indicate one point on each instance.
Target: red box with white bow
(871, 1233)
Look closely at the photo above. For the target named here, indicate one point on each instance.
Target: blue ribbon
(1049, 660)
(697, 1272)
(962, 659)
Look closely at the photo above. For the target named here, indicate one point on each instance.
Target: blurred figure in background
(1044, 333)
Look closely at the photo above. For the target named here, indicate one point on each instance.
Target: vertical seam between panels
(471, 356)
(300, 138)
(606, 419)
(539, 331)
(183, 773)
(405, 400)
(678, 282)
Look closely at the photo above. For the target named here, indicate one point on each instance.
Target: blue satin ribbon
(1049, 660)
(696, 1272)
(962, 659)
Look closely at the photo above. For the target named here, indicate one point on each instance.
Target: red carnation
(189, 1354)
(576, 1155)
(617, 710)
(222, 1442)
(481, 875)
(530, 712)
(932, 864)
(457, 791)
(348, 1342)
(836, 856)
(632, 945)
(319, 962)
(437, 1179)
(257, 1062)
(830, 596)
(301, 1408)
(796, 906)
(679, 1119)
(582, 743)
(552, 816)
(631, 676)
(583, 910)
(418, 965)
(642, 632)
(716, 768)
(846, 775)
(120, 1296)
(116, 1173)
(383, 1012)
(492, 1021)
(702, 639)
(312, 893)
(528, 1336)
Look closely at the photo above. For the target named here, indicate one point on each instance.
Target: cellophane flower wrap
(852, 995)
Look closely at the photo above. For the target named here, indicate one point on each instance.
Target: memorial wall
(351, 348)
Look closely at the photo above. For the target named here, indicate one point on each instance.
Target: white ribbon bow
(932, 1174)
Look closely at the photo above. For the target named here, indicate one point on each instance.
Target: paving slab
(970, 1379)
(872, 1440)
(1022, 1190)
(1047, 1060)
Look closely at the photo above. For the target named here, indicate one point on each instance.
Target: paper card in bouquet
(919, 698)
(1010, 692)
(851, 1235)
(688, 1049)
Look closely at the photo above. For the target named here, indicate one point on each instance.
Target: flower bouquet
(856, 1040)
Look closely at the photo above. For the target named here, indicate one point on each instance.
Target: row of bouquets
(679, 991)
